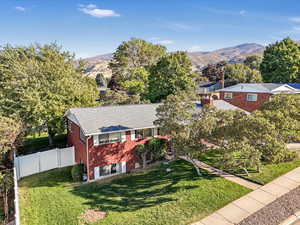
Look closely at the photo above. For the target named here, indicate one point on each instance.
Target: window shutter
(154, 132)
(123, 137)
(96, 140)
(124, 167)
(96, 172)
(132, 135)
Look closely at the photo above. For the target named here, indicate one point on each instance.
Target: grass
(33, 144)
(269, 171)
(151, 197)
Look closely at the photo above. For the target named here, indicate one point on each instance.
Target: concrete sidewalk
(238, 210)
(225, 175)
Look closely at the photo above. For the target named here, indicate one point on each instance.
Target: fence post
(16, 201)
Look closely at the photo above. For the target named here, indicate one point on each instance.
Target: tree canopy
(172, 73)
(131, 56)
(253, 62)
(281, 62)
(241, 73)
(39, 83)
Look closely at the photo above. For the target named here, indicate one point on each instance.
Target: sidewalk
(227, 176)
(235, 212)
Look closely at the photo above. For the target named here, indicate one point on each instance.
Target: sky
(94, 27)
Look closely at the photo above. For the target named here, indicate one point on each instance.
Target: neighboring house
(251, 96)
(104, 137)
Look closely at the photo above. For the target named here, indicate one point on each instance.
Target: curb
(293, 218)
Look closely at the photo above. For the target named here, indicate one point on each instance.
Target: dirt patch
(92, 215)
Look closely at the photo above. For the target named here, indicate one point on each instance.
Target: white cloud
(20, 8)
(295, 19)
(195, 48)
(179, 26)
(296, 30)
(92, 10)
(242, 12)
(157, 40)
(165, 42)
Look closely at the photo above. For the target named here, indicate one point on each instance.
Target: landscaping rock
(277, 211)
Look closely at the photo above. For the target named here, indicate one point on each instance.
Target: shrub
(77, 172)
(158, 148)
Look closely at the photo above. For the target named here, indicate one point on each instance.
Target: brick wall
(239, 99)
(74, 140)
(113, 153)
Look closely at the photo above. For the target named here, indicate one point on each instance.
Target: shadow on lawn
(142, 190)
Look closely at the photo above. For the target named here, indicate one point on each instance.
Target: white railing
(42, 161)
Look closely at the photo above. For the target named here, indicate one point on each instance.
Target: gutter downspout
(87, 159)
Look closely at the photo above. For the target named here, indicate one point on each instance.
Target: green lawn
(151, 197)
(269, 171)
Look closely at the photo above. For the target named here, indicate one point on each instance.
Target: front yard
(151, 197)
(269, 171)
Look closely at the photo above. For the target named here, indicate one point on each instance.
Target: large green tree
(39, 83)
(171, 74)
(131, 56)
(241, 73)
(281, 62)
(253, 61)
(284, 112)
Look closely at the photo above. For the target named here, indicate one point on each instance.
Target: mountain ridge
(99, 64)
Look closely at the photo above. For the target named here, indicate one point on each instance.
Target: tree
(214, 72)
(176, 119)
(240, 155)
(133, 55)
(155, 148)
(281, 62)
(253, 62)
(11, 132)
(138, 83)
(6, 186)
(283, 111)
(171, 74)
(39, 83)
(120, 98)
(241, 73)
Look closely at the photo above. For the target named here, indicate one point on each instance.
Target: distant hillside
(99, 64)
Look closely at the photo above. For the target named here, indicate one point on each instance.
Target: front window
(109, 138)
(251, 97)
(228, 95)
(143, 133)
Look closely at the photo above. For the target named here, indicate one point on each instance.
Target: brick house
(104, 137)
(250, 96)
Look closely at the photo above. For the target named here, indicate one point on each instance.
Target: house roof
(109, 119)
(272, 88)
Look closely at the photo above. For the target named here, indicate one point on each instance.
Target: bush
(77, 172)
(158, 147)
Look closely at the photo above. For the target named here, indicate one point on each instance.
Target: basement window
(251, 97)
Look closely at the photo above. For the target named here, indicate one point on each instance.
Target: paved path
(236, 211)
(225, 175)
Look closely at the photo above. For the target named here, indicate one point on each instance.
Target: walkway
(235, 212)
(225, 175)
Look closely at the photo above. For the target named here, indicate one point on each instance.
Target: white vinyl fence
(43, 161)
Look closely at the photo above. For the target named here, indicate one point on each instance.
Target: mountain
(99, 64)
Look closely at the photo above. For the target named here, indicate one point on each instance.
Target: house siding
(239, 99)
(74, 140)
(102, 155)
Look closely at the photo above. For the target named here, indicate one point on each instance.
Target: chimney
(207, 99)
(222, 81)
